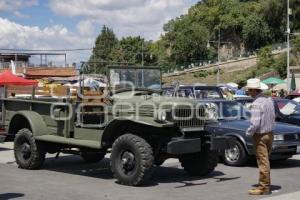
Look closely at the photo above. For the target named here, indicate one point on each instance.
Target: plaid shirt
(262, 116)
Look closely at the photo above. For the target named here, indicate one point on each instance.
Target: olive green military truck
(129, 119)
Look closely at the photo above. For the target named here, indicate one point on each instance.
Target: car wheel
(200, 164)
(131, 160)
(235, 156)
(28, 152)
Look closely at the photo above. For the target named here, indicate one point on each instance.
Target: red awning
(8, 78)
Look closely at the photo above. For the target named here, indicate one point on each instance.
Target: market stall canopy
(8, 78)
(223, 86)
(273, 81)
(234, 85)
(293, 82)
(281, 86)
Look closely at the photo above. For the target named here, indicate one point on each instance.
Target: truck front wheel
(200, 164)
(131, 160)
(28, 153)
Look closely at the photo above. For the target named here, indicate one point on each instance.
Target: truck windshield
(135, 78)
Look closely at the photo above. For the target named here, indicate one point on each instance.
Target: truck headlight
(278, 137)
(161, 115)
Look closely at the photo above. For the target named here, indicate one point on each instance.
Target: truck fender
(28, 119)
(117, 127)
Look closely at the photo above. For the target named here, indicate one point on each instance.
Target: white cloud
(131, 17)
(85, 27)
(16, 36)
(20, 15)
(14, 5)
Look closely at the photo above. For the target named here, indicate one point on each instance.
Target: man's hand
(248, 134)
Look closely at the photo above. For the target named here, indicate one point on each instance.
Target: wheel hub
(232, 154)
(127, 161)
(25, 150)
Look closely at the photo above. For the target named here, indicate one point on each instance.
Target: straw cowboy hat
(255, 83)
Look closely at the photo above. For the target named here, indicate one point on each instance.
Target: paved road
(68, 177)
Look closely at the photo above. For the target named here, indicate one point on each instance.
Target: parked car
(286, 110)
(234, 121)
(293, 95)
(195, 92)
(297, 99)
(242, 98)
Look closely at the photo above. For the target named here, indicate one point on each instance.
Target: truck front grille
(189, 118)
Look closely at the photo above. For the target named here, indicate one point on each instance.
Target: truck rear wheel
(200, 164)
(27, 151)
(131, 160)
(93, 157)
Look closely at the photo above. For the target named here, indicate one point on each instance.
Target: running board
(69, 141)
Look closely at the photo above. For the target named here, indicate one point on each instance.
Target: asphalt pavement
(68, 177)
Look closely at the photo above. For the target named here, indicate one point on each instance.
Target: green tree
(186, 41)
(104, 50)
(136, 50)
(256, 32)
(265, 57)
(252, 24)
(280, 65)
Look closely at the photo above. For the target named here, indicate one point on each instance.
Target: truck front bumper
(179, 146)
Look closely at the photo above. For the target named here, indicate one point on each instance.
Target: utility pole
(288, 47)
(219, 52)
(218, 66)
(143, 62)
(142, 52)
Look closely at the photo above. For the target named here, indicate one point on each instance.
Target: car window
(207, 93)
(185, 93)
(288, 107)
(168, 92)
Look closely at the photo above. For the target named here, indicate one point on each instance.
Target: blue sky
(40, 15)
(59, 24)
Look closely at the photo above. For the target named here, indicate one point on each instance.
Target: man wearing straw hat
(261, 126)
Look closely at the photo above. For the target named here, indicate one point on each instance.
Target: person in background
(229, 95)
(274, 93)
(282, 93)
(240, 91)
(262, 123)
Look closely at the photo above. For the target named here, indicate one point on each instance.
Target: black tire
(92, 157)
(235, 156)
(131, 160)
(28, 152)
(200, 164)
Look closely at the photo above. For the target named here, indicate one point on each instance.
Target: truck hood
(141, 98)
